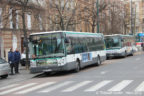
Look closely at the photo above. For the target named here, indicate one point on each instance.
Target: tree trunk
(25, 38)
(93, 29)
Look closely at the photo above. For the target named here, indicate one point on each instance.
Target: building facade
(135, 9)
(11, 24)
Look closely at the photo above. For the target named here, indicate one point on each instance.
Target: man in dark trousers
(142, 45)
(11, 60)
(17, 60)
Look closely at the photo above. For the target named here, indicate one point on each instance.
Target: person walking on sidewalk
(17, 60)
(142, 45)
(11, 60)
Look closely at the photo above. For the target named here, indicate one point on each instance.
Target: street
(115, 77)
(70, 40)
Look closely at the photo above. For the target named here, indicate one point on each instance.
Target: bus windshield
(47, 45)
(112, 42)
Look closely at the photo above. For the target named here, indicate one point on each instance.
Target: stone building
(11, 25)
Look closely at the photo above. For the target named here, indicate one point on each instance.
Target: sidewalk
(139, 53)
(24, 75)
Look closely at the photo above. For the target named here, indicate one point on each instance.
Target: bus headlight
(120, 51)
(32, 63)
(61, 62)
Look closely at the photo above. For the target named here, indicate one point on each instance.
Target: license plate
(48, 70)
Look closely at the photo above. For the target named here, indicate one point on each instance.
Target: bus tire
(98, 63)
(77, 69)
(125, 54)
(132, 53)
(4, 76)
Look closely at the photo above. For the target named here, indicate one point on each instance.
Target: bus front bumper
(115, 54)
(47, 69)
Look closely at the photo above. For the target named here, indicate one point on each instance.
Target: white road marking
(121, 85)
(55, 87)
(137, 59)
(140, 88)
(103, 72)
(9, 86)
(70, 89)
(17, 88)
(98, 86)
(35, 88)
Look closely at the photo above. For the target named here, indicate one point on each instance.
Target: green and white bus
(64, 51)
(120, 45)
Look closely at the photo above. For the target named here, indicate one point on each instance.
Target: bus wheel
(132, 53)
(4, 76)
(98, 61)
(125, 55)
(77, 69)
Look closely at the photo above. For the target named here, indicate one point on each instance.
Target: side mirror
(67, 40)
(30, 39)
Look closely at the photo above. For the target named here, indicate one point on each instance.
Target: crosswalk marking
(98, 86)
(17, 88)
(68, 86)
(77, 86)
(140, 88)
(121, 85)
(137, 59)
(35, 88)
(56, 87)
(9, 86)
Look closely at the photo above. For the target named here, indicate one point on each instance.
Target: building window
(17, 20)
(1, 18)
(40, 22)
(10, 17)
(29, 21)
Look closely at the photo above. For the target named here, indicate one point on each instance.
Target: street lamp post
(97, 4)
(131, 18)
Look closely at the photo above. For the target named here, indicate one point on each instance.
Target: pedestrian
(142, 45)
(17, 60)
(11, 60)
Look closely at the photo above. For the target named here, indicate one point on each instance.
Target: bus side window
(69, 45)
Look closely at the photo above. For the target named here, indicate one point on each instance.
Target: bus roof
(118, 35)
(67, 32)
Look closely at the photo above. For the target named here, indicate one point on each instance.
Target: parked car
(4, 68)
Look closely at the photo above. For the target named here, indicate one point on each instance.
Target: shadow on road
(53, 74)
(64, 73)
(118, 58)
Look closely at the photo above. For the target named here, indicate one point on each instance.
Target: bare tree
(125, 19)
(104, 23)
(62, 14)
(90, 13)
(115, 17)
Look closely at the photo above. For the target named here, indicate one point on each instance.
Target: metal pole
(131, 18)
(97, 4)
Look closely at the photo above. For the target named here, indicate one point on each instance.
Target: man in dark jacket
(142, 45)
(17, 60)
(11, 60)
